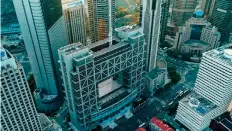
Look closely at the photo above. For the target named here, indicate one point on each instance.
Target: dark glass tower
(43, 30)
(222, 18)
(164, 19)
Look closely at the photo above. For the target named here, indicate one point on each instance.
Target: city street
(188, 72)
(140, 117)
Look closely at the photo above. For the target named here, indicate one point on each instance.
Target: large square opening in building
(107, 86)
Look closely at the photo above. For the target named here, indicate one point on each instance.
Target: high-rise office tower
(182, 10)
(222, 18)
(164, 19)
(43, 29)
(101, 80)
(207, 7)
(18, 111)
(75, 20)
(98, 11)
(151, 31)
(213, 90)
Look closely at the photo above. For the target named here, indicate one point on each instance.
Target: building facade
(43, 30)
(98, 11)
(214, 77)
(18, 111)
(151, 30)
(197, 36)
(212, 93)
(164, 19)
(75, 21)
(222, 17)
(101, 80)
(222, 122)
(182, 11)
(207, 7)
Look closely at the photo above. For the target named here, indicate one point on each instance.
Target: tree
(135, 18)
(173, 53)
(172, 109)
(137, 2)
(98, 128)
(186, 57)
(121, 12)
(165, 44)
(173, 75)
(31, 83)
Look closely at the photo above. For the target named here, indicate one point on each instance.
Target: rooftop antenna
(110, 22)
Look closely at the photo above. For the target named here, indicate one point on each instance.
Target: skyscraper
(222, 18)
(182, 10)
(43, 30)
(207, 7)
(212, 93)
(164, 19)
(18, 111)
(75, 21)
(98, 11)
(151, 31)
(101, 80)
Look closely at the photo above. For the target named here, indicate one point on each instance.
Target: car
(142, 124)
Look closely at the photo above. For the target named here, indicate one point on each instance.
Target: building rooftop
(127, 28)
(47, 124)
(155, 72)
(141, 129)
(224, 54)
(199, 13)
(199, 104)
(71, 4)
(71, 48)
(7, 60)
(164, 127)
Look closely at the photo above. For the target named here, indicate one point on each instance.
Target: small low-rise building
(47, 124)
(141, 129)
(158, 125)
(156, 79)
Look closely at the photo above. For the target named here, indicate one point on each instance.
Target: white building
(18, 111)
(214, 79)
(75, 21)
(211, 35)
(195, 112)
(43, 31)
(151, 30)
(213, 90)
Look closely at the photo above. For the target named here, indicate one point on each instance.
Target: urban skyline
(95, 65)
